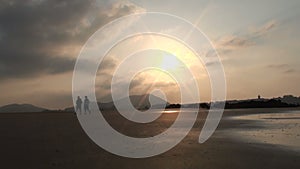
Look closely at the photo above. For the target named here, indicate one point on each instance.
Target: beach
(56, 140)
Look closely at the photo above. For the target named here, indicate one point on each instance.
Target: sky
(40, 40)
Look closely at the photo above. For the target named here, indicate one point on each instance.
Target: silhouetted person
(86, 104)
(78, 104)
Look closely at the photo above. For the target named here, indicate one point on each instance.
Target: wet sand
(56, 140)
(280, 129)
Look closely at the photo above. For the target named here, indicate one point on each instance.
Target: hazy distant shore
(56, 140)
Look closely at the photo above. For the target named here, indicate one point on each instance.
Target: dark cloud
(32, 33)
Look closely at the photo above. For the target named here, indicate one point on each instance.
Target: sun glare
(170, 62)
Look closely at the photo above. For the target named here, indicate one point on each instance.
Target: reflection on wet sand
(282, 129)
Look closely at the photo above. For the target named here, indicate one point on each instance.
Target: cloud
(232, 42)
(108, 64)
(265, 28)
(289, 71)
(44, 37)
(141, 84)
(284, 68)
(235, 42)
(278, 66)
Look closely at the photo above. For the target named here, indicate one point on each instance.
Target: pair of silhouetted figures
(85, 104)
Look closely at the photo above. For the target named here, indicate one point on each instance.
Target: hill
(20, 108)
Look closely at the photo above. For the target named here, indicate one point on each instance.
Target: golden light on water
(170, 111)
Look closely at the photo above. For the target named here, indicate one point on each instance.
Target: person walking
(86, 105)
(78, 104)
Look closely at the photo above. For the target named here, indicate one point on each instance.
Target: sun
(170, 62)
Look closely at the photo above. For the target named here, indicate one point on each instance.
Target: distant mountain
(19, 108)
(140, 102)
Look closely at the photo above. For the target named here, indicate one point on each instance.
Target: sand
(56, 140)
